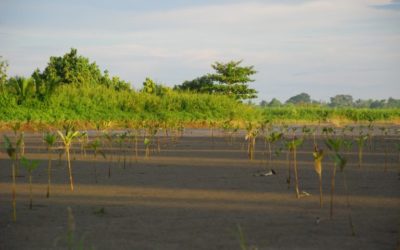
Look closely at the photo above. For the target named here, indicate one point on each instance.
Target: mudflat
(202, 193)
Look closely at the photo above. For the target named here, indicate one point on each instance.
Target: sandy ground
(195, 194)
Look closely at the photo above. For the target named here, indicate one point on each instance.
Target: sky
(321, 47)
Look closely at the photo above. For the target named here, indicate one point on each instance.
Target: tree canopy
(302, 98)
(229, 79)
(341, 101)
(73, 69)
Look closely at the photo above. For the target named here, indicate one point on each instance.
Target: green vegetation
(230, 79)
(12, 152)
(50, 139)
(30, 166)
(67, 138)
(318, 155)
(71, 87)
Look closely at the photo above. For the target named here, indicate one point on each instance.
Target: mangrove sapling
(50, 140)
(251, 135)
(333, 145)
(289, 148)
(296, 142)
(67, 139)
(30, 166)
(109, 141)
(328, 131)
(313, 132)
(212, 125)
(318, 155)
(360, 143)
(121, 138)
(16, 127)
(242, 239)
(12, 152)
(341, 161)
(147, 145)
(398, 150)
(95, 146)
(306, 131)
(137, 131)
(370, 135)
(384, 132)
(83, 140)
(271, 139)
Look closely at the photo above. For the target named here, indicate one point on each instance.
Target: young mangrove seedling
(50, 140)
(121, 138)
(67, 139)
(295, 143)
(341, 161)
(109, 141)
(318, 155)
(370, 135)
(12, 152)
(19, 138)
(398, 151)
(95, 146)
(30, 166)
(251, 135)
(333, 145)
(83, 139)
(360, 143)
(385, 132)
(271, 139)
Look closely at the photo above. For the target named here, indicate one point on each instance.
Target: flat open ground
(195, 193)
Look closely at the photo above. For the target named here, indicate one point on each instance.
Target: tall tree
(232, 79)
(23, 87)
(341, 101)
(72, 68)
(302, 98)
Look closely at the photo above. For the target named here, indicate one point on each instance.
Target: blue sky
(321, 47)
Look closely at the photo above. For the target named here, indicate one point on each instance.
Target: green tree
(22, 87)
(232, 80)
(151, 87)
(203, 84)
(393, 103)
(302, 98)
(3, 73)
(274, 103)
(72, 68)
(341, 101)
(378, 104)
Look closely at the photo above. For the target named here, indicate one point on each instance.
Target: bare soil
(196, 193)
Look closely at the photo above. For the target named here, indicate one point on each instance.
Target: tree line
(337, 101)
(229, 79)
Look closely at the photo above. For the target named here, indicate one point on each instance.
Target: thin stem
(69, 168)
(295, 174)
(332, 190)
(14, 203)
(49, 175)
(30, 190)
(353, 233)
